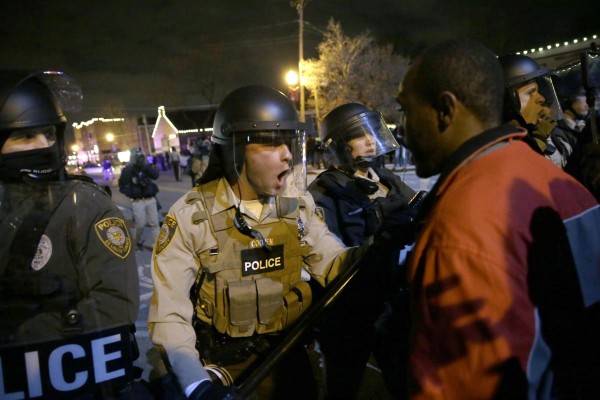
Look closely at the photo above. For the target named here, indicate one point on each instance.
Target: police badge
(167, 231)
(114, 236)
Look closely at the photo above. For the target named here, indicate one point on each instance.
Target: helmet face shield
(552, 109)
(536, 99)
(370, 129)
(293, 140)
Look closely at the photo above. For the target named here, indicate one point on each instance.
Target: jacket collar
(226, 200)
(473, 147)
(481, 144)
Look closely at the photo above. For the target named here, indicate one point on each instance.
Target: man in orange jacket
(505, 273)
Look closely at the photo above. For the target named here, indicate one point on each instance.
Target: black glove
(388, 206)
(208, 390)
(399, 227)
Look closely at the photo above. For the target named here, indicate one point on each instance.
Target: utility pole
(299, 6)
(317, 110)
(147, 134)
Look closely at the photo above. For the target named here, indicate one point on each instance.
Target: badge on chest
(260, 261)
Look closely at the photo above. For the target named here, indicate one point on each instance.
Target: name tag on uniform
(258, 260)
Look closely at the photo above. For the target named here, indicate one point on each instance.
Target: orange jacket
(474, 325)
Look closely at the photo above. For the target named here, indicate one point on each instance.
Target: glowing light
(291, 78)
(110, 137)
(94, 120)
(557, 44)
(124, 156)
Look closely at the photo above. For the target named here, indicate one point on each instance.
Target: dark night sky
(142, 54)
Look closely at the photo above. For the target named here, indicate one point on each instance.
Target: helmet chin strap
(364, 162)
(242, 226)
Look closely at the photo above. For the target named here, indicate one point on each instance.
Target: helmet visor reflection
(551, 104)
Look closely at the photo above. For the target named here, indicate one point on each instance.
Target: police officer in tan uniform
(235, 253)
(68, 278)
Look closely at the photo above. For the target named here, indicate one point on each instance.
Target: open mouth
(282, 176)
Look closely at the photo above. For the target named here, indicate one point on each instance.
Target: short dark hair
(469, 70)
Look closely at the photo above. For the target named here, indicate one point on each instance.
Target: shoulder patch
(113, 234)
(320, 214)
(167, 231)
(42, 254)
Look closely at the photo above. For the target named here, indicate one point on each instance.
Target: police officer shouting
(68, 278)
(239, 245)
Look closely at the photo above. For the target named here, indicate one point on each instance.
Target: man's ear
(446, 108)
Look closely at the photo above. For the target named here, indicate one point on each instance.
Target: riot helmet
(32, 103)
(529, 91)
(256, 114)
(353, 121)
(576, 103)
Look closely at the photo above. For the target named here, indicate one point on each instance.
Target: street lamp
(110, 137)
(291, 78)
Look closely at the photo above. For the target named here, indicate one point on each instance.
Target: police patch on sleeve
(167, 231)
(114, 236)
(320, 213)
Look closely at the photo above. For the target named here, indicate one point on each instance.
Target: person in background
(353, 196)
(530, 102)
(575, 116)
(175, 162)
(167, 155)
(199, 160)
(504, 277)
(185, 160)
(137, 183)
(68, 277)
(231, 265)
(160, 162)
(107, 169)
